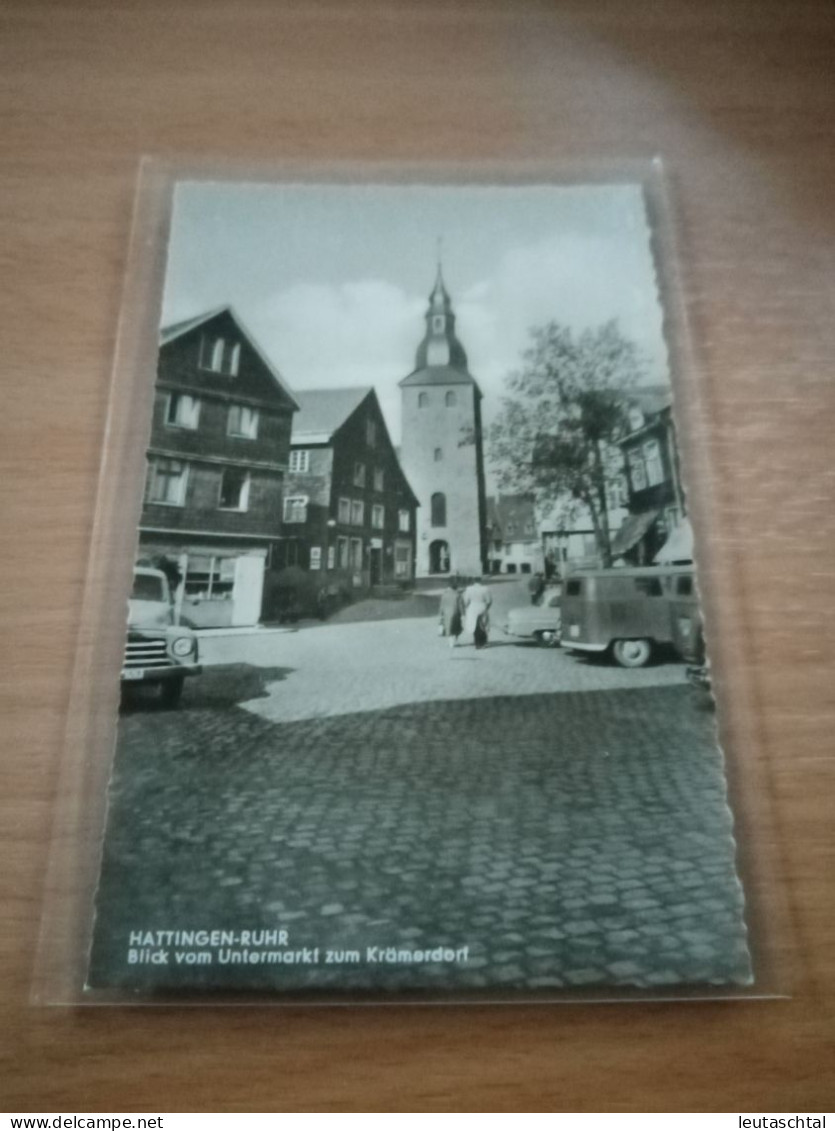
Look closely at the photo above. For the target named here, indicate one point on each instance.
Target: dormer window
(219, 355)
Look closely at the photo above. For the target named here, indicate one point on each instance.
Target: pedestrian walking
(536, 587)
(451, 613)
(477, 601)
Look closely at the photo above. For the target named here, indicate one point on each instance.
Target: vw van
(630, 612)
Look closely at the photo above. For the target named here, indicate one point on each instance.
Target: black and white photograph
(415, 697)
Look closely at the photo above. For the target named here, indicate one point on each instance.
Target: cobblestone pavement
(339, 669)
(536, 842)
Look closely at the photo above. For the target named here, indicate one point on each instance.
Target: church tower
(442, 448)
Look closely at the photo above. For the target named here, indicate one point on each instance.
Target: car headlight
(183, 646)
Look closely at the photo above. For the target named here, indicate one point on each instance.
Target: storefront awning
(632, 530)
(679, 545)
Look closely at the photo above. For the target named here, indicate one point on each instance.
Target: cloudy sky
(333, 281)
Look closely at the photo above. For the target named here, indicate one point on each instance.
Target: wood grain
(738, 97)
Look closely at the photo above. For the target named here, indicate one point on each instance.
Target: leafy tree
(557, 433)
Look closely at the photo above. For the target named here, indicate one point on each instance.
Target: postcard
(414, 696)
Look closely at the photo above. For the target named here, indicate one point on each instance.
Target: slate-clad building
(348, 508)
(219, 450)
(657, 505)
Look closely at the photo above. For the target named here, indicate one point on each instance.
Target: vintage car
(539, 622)
(631, 613)
(159, 653)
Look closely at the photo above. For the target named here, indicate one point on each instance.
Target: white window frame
(185, 409)
(653, 463)
(404, 524)
(379, 479)
(343, 511)
(299, 461)
(357, 508)
(378, 516)
(182, 481)
(371, 433)
(343, 548)
(243, 498)
(250, 432)
(359, 474)
(292, 505)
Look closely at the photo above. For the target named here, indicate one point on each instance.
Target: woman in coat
(477, 602)
(451, 614)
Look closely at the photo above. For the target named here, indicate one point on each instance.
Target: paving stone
(490, 820)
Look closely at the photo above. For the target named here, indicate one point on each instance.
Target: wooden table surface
(738, 97)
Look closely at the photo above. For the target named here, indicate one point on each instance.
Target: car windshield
(146, 587)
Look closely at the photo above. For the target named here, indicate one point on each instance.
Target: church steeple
(440, 347)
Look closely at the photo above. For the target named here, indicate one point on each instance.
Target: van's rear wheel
(632, 653)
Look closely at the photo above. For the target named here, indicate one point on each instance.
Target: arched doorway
(439, 557)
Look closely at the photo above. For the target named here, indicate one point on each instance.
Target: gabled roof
(650, 399)
(323, 411)
(511, 514)
(177, 330)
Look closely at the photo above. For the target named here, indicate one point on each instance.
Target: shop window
(209, 578)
